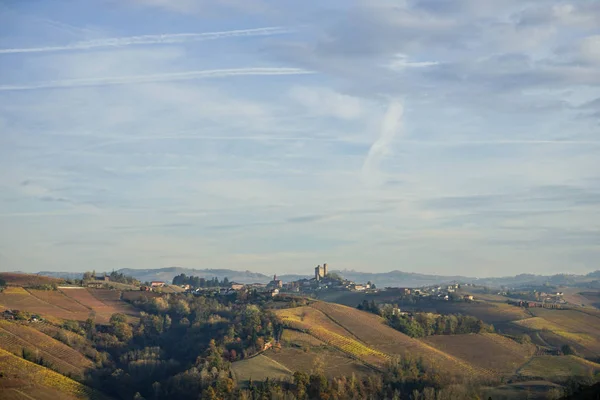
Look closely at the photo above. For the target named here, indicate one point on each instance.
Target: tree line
(420, 324)
(198, 282)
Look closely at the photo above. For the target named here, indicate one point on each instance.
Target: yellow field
(586, 337)
(37, 382)
(318, 325)
(15, 337)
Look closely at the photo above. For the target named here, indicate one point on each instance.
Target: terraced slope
(112, 298)
(558, 368)
(317, 324)
(490, 351)
(20, 299)
(85, 297)
(15, 337)
(366, 337)
(370, 328)
(31, 381)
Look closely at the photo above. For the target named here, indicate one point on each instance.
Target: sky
(431, 136)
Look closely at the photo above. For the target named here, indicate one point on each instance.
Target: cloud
(167, 38)
(401, 62)
(165, 77)
(325, 101)
(390, 128)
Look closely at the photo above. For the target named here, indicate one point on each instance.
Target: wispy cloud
(166, 77)
(168, 38)
(390, 127)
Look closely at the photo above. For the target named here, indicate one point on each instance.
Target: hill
(22, 379)
(365, 337)
(28, 280)
(68, 303)
(17, 339)
(394, 278)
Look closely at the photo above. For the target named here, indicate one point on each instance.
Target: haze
(447, 137)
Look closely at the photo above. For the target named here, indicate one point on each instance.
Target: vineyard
(20, 299)
(20, 375)
(318, 325)
(16, 337)
(58, 299)
(489, 351)
(370, 328)
(112, 298)
(558, 367)
(85, 298)
(28, 280)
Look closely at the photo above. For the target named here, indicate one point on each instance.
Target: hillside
(16, 338)
(68, 303)
(28, 280)
(22, 379)
(365, 337)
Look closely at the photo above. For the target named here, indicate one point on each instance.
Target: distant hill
(167, 274)
(381, 279)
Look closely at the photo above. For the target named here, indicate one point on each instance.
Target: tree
(567, 350)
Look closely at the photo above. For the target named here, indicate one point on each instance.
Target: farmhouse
(157, 284)
(236, 286)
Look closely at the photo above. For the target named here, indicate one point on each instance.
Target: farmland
(32, 381)
(364, 336)
(501, 355)
(16, 337)
(259, 368)
(558, 368)
(371, 329)
(28, 280)
(72, 303)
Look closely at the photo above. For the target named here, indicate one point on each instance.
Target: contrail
(175, 76)
(151, 39)
(389, 128)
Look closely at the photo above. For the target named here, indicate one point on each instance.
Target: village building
(155, 284)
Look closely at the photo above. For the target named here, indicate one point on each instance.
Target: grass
(27, 377)
(258, 368)
(558, 368)
(16, 337)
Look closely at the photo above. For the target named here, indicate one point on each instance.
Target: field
(490, 351)
(31, 381)
(558, 368)
(112, 298)
(364, 337)
(73, 303)
(15, 337)
(20, 299)
(316, 323)
(576, 327)
(257, 368)
(371, 329)
(533, 390)
(27, 280)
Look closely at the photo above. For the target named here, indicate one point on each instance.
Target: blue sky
(449, 137)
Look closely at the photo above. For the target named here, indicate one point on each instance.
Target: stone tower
(319, 272)
(324, 269)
